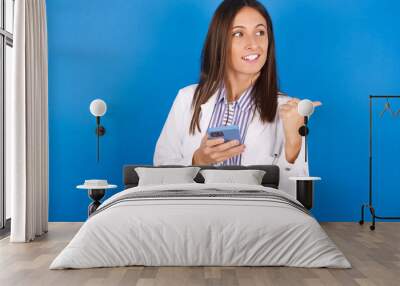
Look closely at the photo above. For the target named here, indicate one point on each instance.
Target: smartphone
(228, 132)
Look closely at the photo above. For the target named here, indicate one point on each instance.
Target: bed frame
(270, 179)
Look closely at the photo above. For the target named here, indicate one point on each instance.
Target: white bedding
(184, 231)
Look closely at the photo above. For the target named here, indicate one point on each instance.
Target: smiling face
(248, 49)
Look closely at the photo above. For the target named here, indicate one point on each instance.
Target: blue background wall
(137, 54)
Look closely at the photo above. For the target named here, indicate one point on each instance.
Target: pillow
(162, 176)
(249, 177)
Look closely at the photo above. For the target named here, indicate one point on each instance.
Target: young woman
(238, 85)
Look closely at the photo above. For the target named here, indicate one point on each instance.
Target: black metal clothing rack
(369, 205)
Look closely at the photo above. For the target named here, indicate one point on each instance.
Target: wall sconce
(305, 185)
(305, 108)
(98, 108)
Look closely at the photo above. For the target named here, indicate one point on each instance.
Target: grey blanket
(203, 194)
(235, 225)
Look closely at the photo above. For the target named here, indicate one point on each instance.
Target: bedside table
(96, 191)
(305, 190)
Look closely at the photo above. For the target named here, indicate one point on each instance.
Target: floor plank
(375, 257)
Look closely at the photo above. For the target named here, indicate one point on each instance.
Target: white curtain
(27, 124)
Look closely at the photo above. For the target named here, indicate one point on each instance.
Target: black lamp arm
(100, 130)
(303, 131)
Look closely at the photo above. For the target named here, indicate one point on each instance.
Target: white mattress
(200, 231)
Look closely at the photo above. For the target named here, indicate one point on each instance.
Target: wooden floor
(375, 257)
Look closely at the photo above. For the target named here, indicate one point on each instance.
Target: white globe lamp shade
(305, 107)
(98, 107)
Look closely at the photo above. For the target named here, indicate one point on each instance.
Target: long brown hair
(214, 57)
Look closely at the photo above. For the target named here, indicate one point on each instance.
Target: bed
(201, 224)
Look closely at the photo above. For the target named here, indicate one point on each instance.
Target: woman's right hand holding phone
(216, 150)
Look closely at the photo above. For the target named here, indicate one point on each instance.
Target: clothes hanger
(388, 107)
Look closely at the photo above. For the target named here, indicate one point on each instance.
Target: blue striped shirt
(238, 112)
